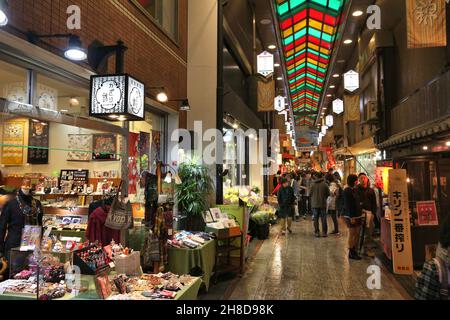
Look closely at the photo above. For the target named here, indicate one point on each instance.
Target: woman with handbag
(353, 216)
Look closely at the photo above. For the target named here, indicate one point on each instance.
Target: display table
(182, 261)
(187, 293)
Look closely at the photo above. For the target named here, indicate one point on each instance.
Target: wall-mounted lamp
(74, 50)
(3, 13)
(161, 94)
(185, 106)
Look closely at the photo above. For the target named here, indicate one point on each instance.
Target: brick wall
(152, 56)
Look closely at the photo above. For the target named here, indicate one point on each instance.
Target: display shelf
(224, 247)
(76, 211)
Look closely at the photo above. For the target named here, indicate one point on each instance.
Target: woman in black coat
(286, 202)
(353, 216)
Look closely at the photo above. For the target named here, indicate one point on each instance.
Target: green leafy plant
(193, 192)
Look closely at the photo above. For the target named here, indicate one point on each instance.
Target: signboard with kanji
(427, 213)
(400, 222)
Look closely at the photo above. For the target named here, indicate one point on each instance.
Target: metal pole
(219, 108)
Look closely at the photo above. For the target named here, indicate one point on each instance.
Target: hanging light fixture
(75, 50)
(3, 13)
(329, 120)
(185, 105)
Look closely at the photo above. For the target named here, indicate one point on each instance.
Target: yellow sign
(400, 222)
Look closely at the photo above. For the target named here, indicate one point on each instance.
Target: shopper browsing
(353, 216)
(332, 206)
(286, 200)
(319, 194)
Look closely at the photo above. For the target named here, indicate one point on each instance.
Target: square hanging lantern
(280, 103)
(329, 120)
(324, 130)
(117, 98)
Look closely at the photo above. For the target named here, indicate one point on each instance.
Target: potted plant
(193, 194)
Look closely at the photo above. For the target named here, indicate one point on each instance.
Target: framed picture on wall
(80, 146)
(38, 142)
(104, 147)
(13, 141)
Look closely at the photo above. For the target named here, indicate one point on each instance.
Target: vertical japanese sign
(400, 223)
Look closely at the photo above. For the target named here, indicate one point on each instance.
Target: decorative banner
(13, 143)
(80, 146)
(280, 103)
(47, 98)
(330, 156)
(155, 150)
(144, 151)
(352, 111)
(426, 23)
(104, 147)
(265, 64)
(38, 142)
(351, 81)
(117, 97)
(133, 170)
(16, 92)
(338, 106)
(427, 213)
(266, 96)
(400, 224)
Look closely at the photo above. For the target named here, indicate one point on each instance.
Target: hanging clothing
(96, 230)
(18, 212)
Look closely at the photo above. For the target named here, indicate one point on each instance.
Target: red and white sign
(427, 213)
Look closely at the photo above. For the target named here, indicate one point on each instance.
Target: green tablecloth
(182, 261)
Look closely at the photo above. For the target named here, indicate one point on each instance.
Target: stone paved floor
(302, 267)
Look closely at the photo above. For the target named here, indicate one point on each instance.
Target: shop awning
(363, 147)
(426, 131)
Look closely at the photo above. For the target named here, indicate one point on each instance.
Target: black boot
(352, 254)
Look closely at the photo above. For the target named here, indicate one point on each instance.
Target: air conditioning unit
(372, 110)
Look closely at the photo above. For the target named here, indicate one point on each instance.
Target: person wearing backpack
(434, 281)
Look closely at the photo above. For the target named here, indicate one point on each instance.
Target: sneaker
(352, 254)
(317, 234)
(335, 233)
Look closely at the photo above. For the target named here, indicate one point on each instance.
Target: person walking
(332, 206)
(319, 194)
(353, 216)
(306, 200)
(368, 202)
(286, 200)
(434, 281)
(296, 187)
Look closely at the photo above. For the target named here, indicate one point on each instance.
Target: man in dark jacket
(319, 194)
(286, 201)
(368, 201)
(353, 216)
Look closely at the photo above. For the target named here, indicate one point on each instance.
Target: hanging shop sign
(324, 130)
(338, 106)
(117, 98)
(426, 23)
(265, 64)
(427, 213)
(400, 224)
(329, 120)
(266, 96)
(280, 103)
(351, 81)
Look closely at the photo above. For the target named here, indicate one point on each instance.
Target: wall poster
(104, 147)
(38, 142)
(80, 146)
(13, 143)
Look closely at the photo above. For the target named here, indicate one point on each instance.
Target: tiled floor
(300, 266)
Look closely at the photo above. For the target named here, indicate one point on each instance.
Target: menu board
(77, 178)
(38, 142)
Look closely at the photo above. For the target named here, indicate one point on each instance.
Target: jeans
(334, 217)
(322, 214)
(305, 205)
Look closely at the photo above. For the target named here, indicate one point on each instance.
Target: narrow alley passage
(301, 267)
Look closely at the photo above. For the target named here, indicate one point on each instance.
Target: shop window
(55, 95)
(13, 83)
(164, 13)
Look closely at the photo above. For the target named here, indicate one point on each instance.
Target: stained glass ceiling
(308, 32)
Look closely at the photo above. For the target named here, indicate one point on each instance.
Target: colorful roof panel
(308, 30)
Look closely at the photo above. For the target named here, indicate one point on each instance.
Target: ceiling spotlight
(113, 116)
(272, 47)
(348, 41)
(447, 143)
(357, 13)
(276, 65)
(332, 86)
(265, 21)
(74, 102)
(34, 120)
(336, 75)
(75, 50)
(425, 148)
(280, 78)
(122, 118)
(3, 15)
(329, 95)
(235, 125)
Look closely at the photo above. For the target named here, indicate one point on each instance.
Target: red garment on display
(96, 230)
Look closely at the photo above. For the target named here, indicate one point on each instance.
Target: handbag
(120, 215)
